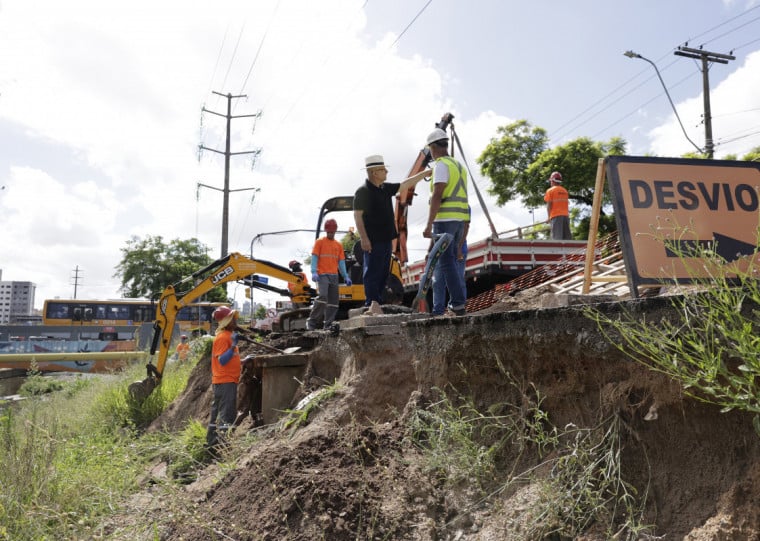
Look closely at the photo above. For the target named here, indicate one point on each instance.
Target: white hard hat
(436, 135)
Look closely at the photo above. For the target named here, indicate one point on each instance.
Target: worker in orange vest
(225, 375)
(557, 207)
(327, 258)
(295, 267)
(183, 349)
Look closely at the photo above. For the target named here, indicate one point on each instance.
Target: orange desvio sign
(668, 208)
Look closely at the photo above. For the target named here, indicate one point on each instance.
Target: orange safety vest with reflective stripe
(292, 287)
(454, 205)
(230, 372)
(558, 197)
(329, 253)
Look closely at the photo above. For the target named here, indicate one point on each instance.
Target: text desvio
(688, 195)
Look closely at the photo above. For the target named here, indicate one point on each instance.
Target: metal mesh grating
(606, 249)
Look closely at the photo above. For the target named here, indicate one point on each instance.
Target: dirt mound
(353, 472)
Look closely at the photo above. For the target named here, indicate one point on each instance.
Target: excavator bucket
(140, 390)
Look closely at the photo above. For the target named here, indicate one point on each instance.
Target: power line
(569, 125)
(745, 44)
(706, 57)
(638, 107)
(261, 44)
(234, 53)
(742, 14)
(367, 69)
(732, 30)
(218, 58)
(408, 26)
(558, 134)
(737, 112)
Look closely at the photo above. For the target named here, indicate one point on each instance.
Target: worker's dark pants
(447, 274)
(326, 305)
(377, 265)
(223, 411)
(561, 228)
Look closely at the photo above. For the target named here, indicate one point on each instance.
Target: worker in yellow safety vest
(449, 210)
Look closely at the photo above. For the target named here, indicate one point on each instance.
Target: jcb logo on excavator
(221, 275)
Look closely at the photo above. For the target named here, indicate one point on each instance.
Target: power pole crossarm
(705, 57)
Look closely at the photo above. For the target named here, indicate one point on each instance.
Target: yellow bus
(117, 312)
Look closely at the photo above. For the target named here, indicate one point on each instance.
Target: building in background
(16, 301)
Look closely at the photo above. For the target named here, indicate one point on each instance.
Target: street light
(631, 54)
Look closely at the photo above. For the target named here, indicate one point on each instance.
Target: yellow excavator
(234, 267)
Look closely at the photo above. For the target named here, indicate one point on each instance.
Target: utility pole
(76, 280)
(705, 57)
(226, 190)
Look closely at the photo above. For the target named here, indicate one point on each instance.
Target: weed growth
(70, 457)
(299, 416)
(584, 485)
(464, 444)
(709, 343)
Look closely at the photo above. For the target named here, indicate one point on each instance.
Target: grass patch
(709, 340)
(585, 487)
(298, 417)
(578, 469)
(70, 454)
(463, 444)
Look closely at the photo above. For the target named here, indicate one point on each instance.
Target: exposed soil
(353, 473)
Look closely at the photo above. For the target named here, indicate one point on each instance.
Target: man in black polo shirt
(373, 213)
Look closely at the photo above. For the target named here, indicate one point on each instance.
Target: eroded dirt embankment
(352, 474)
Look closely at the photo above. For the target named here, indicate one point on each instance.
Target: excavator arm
(234, 267)
(404, 200)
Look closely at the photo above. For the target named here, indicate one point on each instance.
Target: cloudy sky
(101, 110)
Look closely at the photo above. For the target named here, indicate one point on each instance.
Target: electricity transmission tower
(226, 190)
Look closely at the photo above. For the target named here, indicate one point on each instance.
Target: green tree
(693, 155)
(578, 161)
(752, 156)
(506, 160)
(519, 162)
(261, 312)
(149, 265)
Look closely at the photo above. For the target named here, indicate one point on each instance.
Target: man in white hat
(557, 200)
(376, 223)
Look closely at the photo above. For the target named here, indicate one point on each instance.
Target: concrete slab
(375, 321)
(560, 300)
(280, 379)
(275, 361)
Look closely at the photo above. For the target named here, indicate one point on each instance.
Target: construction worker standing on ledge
(327, 258)
(225, 375)
(448, 212)
(557, 203)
